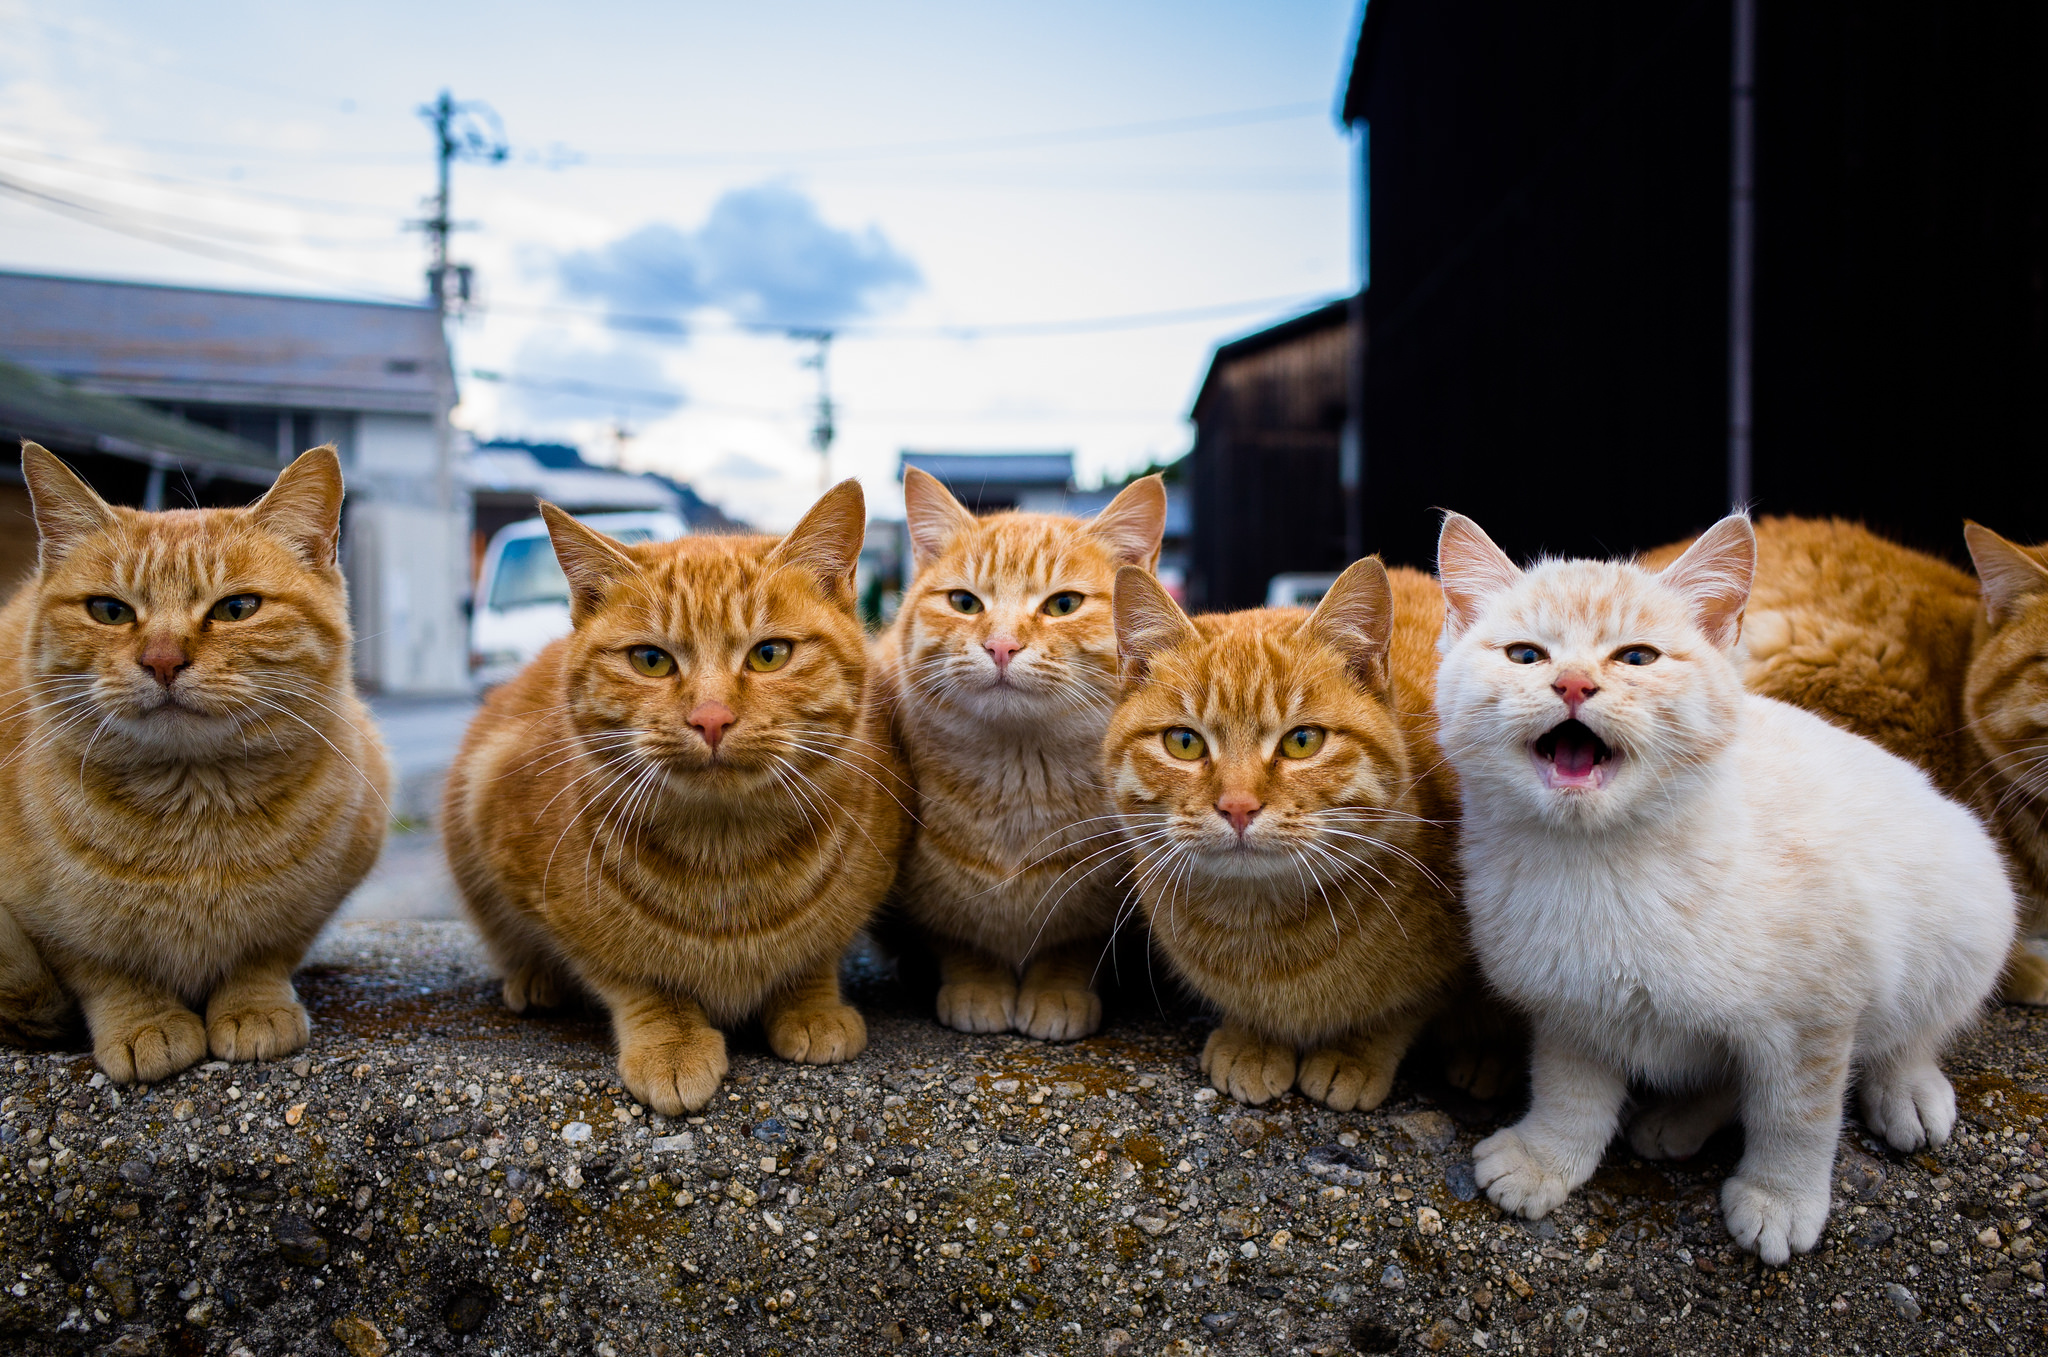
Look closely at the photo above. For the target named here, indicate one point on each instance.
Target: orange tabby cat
(188, 785)
(1002, 672)
(1909, 651)
(1294, 825)
(679, 807)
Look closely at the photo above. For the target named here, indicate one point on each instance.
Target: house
(1268, 479)
(259, 378)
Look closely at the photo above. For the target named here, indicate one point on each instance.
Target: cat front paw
(2026, 977)
(1058, 1014)
(1518, 1176)
(823, 1035)
(35, 1014)
(151, 1048)
(1246, 1067)
(1344, 1081)
(1479, 1073)
(676, 1070)
(1677, 1128)
(978, 1006)
(257, 1031)
(1772, 1223)
(1910, 1107)
(535, 984)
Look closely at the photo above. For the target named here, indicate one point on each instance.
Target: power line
(102, 170)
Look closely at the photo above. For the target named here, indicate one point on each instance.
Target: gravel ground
(435, 1174)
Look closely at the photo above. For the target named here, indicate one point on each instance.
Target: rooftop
(42, 408)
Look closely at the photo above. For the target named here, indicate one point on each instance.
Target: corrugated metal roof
(46, 410)
(1328, 316)
(994, 468)
(228, 348)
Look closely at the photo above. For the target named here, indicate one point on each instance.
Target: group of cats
(1572, 780)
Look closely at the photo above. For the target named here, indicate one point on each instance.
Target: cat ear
(1134, 521)
(592, 562)
(934, 515)
(1356, 618)
(303, 506)
(1471, 569)
(67, 510)
(2007, 572)
(827, 540)
(1147, 620)
(1715, 574)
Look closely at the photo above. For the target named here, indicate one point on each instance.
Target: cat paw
(1058, 1014)
(154, 1048)
(37, 1014)
(824, 1035)
(2026, 977)
(1771, 1223)
(1910, 1108)
(1247, 1068)
(536, 984)
(1481, 1075)
(1342, 1082)
(1676, 1129)
(977, 1006)
(259, 1032)
(675, 1072)
(1519, 1178)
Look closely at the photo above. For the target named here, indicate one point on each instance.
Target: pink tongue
(1576, 755)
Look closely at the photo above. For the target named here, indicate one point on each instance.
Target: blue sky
(937, 178)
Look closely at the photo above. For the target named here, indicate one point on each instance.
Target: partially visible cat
(1696, 889)
(188, 785)
(686, 807)
(1294, 825)
(1002, 672)
(1906, 649)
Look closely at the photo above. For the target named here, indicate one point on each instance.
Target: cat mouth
(1572, 758)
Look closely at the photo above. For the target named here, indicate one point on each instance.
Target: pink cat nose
(1000, 649)
(1240, 808)
(711, 720)
(164, 658)
(1574, 688)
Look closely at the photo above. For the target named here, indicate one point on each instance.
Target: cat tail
(34, 1009)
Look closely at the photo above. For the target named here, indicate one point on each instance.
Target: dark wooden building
(1266, 472)
(1549, 256)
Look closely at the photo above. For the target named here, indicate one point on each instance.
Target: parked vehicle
(1297, 590)
(522, 597)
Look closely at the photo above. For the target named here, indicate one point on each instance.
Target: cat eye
(236, 608)
(1062, 603)
(1183, 743)
(1521, 652)
(652, 661)
(769, 656)
(963, 601)
(1637, 654)
(1301, 742)
(110, 612)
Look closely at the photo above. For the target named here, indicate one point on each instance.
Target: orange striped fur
(1013, 874)
(603, 842)
(168, 849)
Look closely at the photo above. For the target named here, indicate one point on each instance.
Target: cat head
(1008, 617)
(1574, 688)
(171, 632)
(1263, 743)
(724, 661)
(2006, 693)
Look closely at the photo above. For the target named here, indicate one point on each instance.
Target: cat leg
(1056, 1001)
(34, 1009)
(141, 1033)
(533, 977)
(2026, 976)
(1677, 1127)
(976, 994)
(1908, 1100)
(670, 1056)
(1574, 1105)
(255, 1014)
(1246, 1066)
(1776, 1202)
(1354, 1073)
(811, 1023)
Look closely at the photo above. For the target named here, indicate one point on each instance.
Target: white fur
(1752, 903)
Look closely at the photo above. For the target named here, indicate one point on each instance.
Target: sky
(1027, 226)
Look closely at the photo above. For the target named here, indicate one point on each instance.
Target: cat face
(2006, 692)
(722, 663)
(1578, 687)
(1262, 744)
(171, 633)
(1008, 616)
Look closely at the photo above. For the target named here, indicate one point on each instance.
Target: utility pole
(470, 131)
(822, 430)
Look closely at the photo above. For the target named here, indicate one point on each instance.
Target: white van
(522, 597)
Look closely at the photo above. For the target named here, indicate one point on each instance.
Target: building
(1267, 474)
(255, 379)
(1572, 341)
(506, 480)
